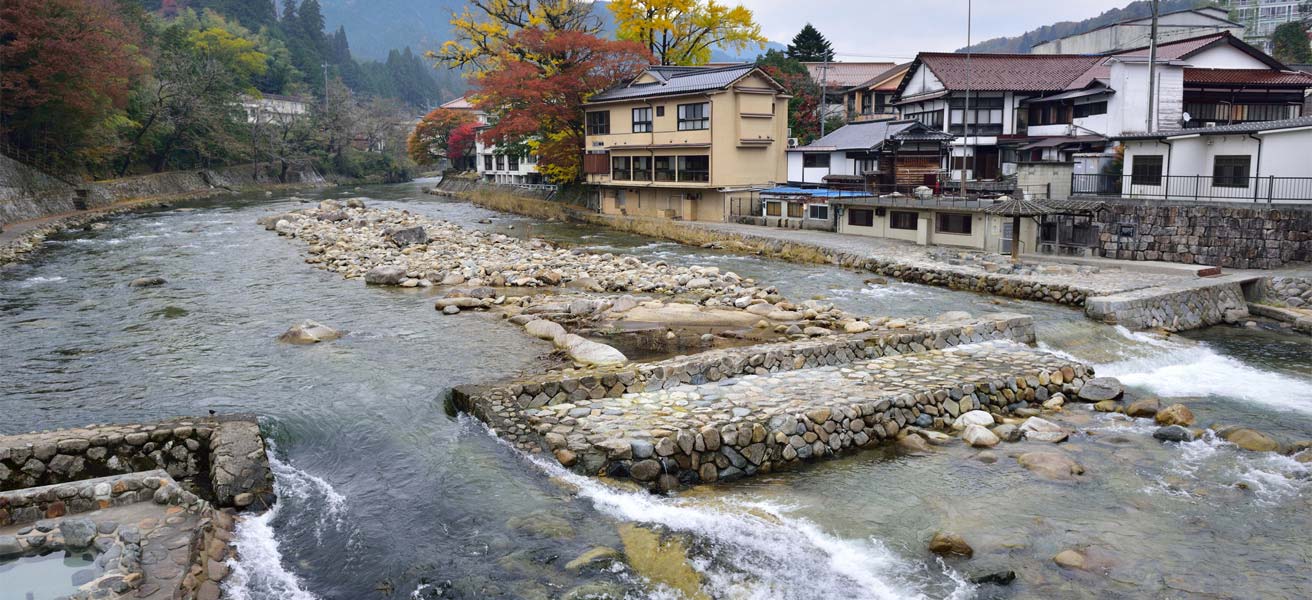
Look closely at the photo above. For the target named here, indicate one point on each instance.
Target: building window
(599, 122)
(1146, 169)
(664, 168)
(694, 168)
(815, 160)
(955, 223)
(794, 210)
(487, 162)
(900, 219)
(694, 116)
(660, 111)
(1090, 109)
(818, 212)
(501, 162)
(620, 169)
(642, 168)
(1230, 171)
(932, 119)
(642, 120)
(513, 161)
(772, 209)
(861, 217)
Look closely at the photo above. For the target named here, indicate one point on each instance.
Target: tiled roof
(1008, 72)
(678, 80)
(1223, 129)
(869, 134)
(1248, 76)
(886, 81)
(461, 103)
(846, 74)
(1182, 49)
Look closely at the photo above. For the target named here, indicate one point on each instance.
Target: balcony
(1194, 188)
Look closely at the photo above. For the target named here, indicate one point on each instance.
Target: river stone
(950, 544)
(1101, 388)
(1069, 559)
(1173, 433)
(1007, 432)
(309, 332)
(1175, 414)
(1107, 406)
(597, 559)
(541, 524)
(1146, 408)
(385, 275)
(1042, 430)
(78, 533)
(458, 302)
(911, 444)
(408, 236)
(973, 417)
(147, 282)
(9, 547)
(857, 327)
(1250, 439)
(591, 353)
(544, 329)
(1051, 465)
(979, 437)
(645, 470)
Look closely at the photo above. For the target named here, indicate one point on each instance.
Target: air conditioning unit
(1209, 124)
(793, 142)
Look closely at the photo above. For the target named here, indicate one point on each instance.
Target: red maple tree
(536, 93)
(68, 66)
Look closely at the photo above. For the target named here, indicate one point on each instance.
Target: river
(384, 494)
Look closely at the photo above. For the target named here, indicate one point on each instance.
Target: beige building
(686, 142)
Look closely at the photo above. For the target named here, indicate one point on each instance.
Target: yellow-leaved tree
(483, 29)
(684, 32)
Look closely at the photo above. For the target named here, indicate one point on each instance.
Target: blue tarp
(814, 192)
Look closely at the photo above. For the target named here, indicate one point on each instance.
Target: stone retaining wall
(211, 548)
(1220, 234)
(225, 454)
(714, 365)
(1294, 292)
(29, 505)
(1181, 310)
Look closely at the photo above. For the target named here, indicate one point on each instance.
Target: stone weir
(736, 412)
(155, 504)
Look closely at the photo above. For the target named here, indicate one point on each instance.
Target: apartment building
(686, 142)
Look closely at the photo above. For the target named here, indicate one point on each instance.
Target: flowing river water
(383, 494)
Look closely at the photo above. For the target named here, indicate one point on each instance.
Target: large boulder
(1051, 465)
(590, 353)
(1042, 430)
(1099, 389)
(78, 533)
(147, 282)
(1250, 439)
(1175, 414)
(385, 275)
(309, 332)
(1144, 409)
(950, 544)
(544, 329)
(407, 236)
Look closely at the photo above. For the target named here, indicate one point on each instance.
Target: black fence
(1228, 188)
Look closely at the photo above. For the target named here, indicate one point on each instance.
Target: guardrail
(1194, 188)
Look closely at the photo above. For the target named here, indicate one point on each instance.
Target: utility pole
(965, 114)
(1152, 74)
(824, 92)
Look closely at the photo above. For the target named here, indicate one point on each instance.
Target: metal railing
(1194, 188)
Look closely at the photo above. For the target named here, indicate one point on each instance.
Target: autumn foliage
(436, 136)
(68, 66)
(536, 93)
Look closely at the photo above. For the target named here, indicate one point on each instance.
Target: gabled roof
(1262, 77)
(886, 81)
(461, 103)
(1183, 49)
(673, 81)
(868, 135)
(845, 74)
(1254, 127)
(1004, 72)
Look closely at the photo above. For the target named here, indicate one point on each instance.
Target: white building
(267, 108)
(1261, 17)
(493, 164)
(1265, 162)
(877, 155)
(1134, 33)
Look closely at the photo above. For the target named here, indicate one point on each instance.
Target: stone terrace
(761, 408)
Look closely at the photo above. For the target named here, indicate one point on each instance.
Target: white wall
(1283, 154)
(922, 82)
(1225, 57)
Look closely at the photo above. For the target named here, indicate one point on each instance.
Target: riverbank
(1126, 295)
(23, 237)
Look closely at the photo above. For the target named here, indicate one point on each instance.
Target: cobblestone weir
(810, 404)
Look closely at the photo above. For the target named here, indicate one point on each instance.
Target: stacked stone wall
(224, 454)
(1219, 234)
(29, 505)
(1180, 310)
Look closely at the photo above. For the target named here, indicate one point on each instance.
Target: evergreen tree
(809, 45)
(1289, 44)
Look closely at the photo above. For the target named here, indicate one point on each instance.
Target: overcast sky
(896, 29)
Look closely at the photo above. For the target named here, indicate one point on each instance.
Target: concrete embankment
(34, 205)
(1138, 301)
